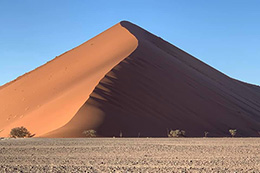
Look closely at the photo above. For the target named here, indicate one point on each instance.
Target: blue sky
(223, 33)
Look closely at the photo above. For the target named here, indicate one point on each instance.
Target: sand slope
(134, 83)
(48, 97)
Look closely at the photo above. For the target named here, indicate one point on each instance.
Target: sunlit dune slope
(129, 81)
(49, 96)
(159, 87)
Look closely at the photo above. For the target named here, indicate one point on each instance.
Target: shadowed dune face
(159, 87)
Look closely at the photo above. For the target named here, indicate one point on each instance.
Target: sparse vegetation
(20, 132)
(90, 133)
(176, 133)
(206, 134)
(233, 132)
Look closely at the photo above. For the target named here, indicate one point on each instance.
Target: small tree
(20, 132)
(206, 134)
(233, 132)
(176, 133)
(90, 133)
(121, 134)
(139, 134)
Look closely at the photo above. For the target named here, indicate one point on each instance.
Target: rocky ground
(130, 155)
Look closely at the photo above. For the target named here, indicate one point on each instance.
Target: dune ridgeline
(129, 81)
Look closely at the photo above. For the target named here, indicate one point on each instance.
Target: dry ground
(130, 155)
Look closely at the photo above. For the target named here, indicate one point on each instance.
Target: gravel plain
(130, 155)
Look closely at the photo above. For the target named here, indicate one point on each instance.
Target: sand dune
(128, 80)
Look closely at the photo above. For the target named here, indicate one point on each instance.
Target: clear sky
(223, 33)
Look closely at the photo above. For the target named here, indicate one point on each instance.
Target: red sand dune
(128, 80)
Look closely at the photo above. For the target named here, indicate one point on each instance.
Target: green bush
(20, 132)
(233, 132)
(90, 133)
(176, 133)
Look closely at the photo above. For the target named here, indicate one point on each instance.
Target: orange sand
(48, 97)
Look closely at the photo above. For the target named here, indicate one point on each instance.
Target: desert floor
(130, 155)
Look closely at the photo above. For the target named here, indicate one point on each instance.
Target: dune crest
(131, 81)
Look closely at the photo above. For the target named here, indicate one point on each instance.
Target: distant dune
(131, 81)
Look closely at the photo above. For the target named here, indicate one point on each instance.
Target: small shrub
(20, 132)
(233, 132)
(90, 133)
(176, 133)
(206, 134)
(121, 134)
